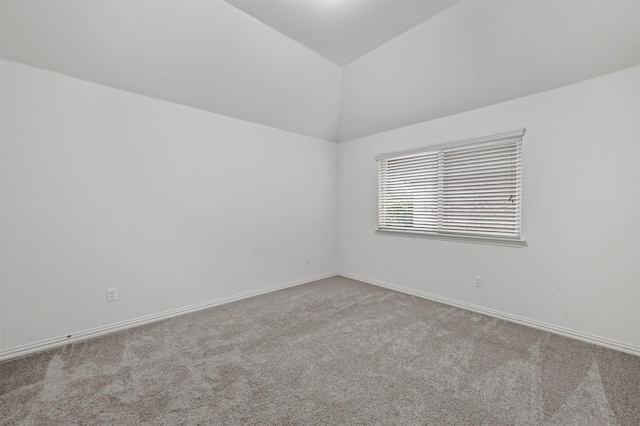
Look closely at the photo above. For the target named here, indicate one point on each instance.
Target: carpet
(334, 352)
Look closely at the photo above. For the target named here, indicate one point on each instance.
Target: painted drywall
(343, 30)
(205, 54)
(581, 200)
(478, 53)
(172, 205)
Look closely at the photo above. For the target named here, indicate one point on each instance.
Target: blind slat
(467, 189)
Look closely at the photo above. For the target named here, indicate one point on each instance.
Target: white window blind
(467, 188)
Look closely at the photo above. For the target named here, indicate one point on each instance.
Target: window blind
(471, 187)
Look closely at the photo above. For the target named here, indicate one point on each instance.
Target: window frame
(513, 241)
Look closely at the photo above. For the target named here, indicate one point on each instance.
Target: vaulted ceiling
(331, 69)
(342, 30)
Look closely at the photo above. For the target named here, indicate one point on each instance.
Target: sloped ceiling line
(406, 61)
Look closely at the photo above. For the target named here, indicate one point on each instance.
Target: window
(469, 190)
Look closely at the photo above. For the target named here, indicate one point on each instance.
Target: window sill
(509, 242)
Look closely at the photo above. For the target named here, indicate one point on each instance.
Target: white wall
(478, 53)
(205, 54)
(580, 212)
(170, 204)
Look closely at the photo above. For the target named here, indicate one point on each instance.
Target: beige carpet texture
(331, 352)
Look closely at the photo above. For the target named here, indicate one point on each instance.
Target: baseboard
(111, 328)
(585, 337)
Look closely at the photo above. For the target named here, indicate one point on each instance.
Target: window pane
(466, 189)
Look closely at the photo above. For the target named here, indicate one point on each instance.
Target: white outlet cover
(112, 295)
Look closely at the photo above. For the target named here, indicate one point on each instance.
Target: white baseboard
(585, 337)
(111, 328)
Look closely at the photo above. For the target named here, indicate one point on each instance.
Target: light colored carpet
(335, 351)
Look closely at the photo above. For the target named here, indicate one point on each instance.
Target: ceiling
(406, 61)
(342, 30)
(203, 54)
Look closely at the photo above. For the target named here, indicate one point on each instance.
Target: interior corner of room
(214, 159)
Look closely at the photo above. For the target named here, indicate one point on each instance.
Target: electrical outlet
(112, 294)
(478, 280)
(306, 260)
